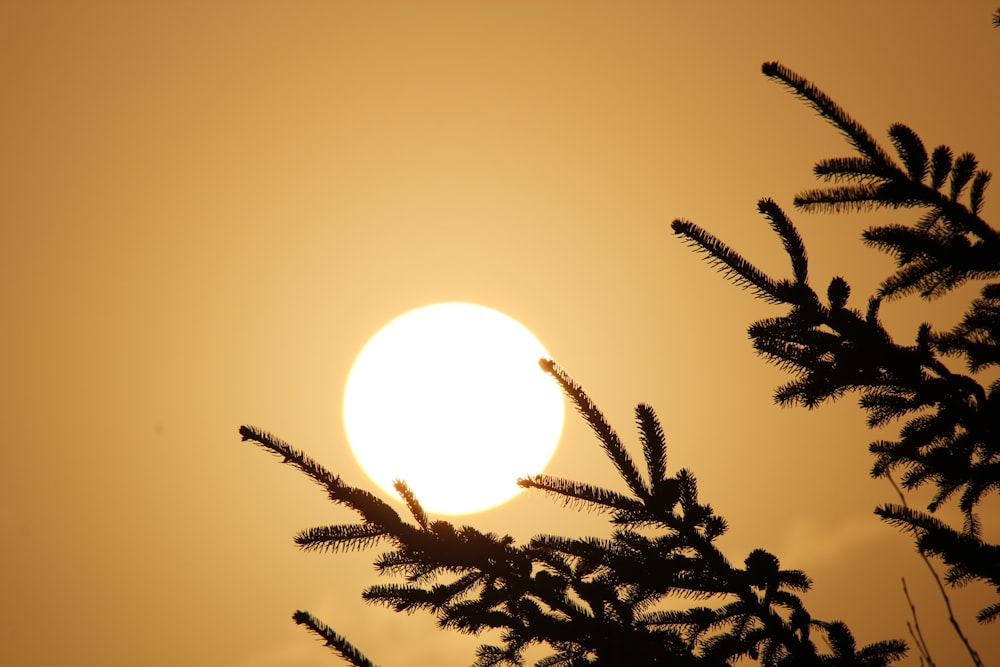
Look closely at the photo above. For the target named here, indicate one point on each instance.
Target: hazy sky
(209, 207)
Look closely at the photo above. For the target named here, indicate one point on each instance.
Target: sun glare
(450, 399)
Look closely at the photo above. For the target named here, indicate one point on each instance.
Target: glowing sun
(450, 399)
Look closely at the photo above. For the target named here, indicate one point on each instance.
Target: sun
(450, 399)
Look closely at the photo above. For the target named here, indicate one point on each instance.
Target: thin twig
(915, 632)
(977, 661)
(920, 654)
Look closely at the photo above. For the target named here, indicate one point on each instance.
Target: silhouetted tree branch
(922, 647)
(614, 600)
(950, 436)
(592, 601)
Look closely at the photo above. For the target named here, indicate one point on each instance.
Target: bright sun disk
(450, 399)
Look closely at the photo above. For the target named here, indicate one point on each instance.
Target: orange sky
(208, 208)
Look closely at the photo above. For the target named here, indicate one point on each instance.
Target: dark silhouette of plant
(622, 600)
(592, 601)
(951, 432)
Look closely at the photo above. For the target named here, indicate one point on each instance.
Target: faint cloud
(812, 544)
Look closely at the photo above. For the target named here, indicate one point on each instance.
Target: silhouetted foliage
(951, 434)
(659, 591)
(592, 601)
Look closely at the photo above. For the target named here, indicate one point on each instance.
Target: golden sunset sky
(209, 207)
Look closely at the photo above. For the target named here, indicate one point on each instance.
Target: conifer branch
(967, 556)
(654, 444)
(950, 421)
(336, 642)
(878, 181)
(590, 598)
(732, 265)
(291, 455)
(339, 538)
(416, 509)
(578, 494)
(790, 238)
(854, 132)
(374, 510)
(857, 169)
(605, 434)
(859, 196)
(977, 191)
(941, 162)
(962, 173)
(911, 151)
(921, 645)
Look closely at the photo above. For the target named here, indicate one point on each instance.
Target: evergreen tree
(604, 601)
(951, 432)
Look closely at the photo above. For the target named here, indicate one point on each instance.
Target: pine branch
(911, 151)
(588, 598)
(941, 162)
(856, 134)
(790, 238)
(605, 434)
(370, 507)
(977, 337)
(976, 193)
(336, 642)
(410, 598)
(654, 445)
(966, 555)
(950, 438)
(905, 243)
(852, 168)
(922, 646)
(579, 494)
(416, 509)
(878, 180)
(492, 656)
(291, 455)
(961, 174)
(732, 265)
(339, 538)
(860, 196)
